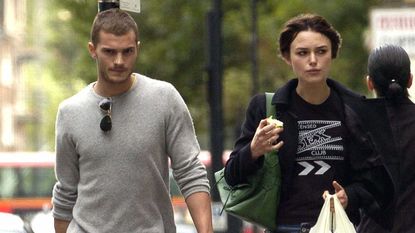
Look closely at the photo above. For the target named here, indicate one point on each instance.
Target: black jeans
(291, 228)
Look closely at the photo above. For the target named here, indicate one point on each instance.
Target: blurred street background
(218, 54)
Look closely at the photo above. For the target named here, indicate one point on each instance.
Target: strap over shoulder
(271, 110)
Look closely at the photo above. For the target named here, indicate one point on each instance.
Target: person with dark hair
(323, 145)
(389, 73)
(389, 77)
(115, 141)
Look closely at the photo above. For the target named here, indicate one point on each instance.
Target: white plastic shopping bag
(333, 218)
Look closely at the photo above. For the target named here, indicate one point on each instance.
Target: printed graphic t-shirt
(320, 158)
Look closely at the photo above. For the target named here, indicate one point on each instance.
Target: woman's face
(310, 57)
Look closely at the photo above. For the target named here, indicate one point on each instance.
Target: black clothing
(400, 160)
(320, 153)
(364, 177)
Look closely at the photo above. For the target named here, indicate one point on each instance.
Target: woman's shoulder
(258, 98)
(344, 91)
(257, 102)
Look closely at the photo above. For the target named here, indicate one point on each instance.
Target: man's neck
(109, 89)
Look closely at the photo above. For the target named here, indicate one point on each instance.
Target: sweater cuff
(352, 197)
(250, 165)
(62, 213)
(62, 206)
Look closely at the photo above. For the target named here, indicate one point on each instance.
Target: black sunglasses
(105, 106)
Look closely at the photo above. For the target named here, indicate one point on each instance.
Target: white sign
(394, 26)
(130, 5)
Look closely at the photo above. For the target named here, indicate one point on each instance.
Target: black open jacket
(369, 186)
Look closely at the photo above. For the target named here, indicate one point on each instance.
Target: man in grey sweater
(115, 140)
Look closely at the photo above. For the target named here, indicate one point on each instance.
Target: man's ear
(410, 81)
(369, 83)
(92, 50)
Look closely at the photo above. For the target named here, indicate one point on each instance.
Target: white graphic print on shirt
(318, 140)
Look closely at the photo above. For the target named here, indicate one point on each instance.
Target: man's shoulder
(151, 87)
(77, 99)
(152, 83)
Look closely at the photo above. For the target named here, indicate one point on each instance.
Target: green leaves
(173, 47)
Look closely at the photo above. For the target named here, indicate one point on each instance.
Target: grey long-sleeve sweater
(118, 181)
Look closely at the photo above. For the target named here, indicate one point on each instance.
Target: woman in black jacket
(323, 144)
(389, 76)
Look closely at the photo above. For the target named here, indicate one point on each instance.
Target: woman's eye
(302, 53)
(322, 51)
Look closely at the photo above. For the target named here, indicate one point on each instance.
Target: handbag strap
(230, 191)
(271, 110)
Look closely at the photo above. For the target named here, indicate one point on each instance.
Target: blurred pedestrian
(389, 77)
(115, 140)
(322, 145)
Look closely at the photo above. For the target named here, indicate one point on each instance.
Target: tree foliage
(173, 47)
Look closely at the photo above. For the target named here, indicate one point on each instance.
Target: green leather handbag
(257, 201)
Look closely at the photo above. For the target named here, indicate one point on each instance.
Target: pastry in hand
(278, 124)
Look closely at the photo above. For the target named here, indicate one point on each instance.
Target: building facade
(12, 36)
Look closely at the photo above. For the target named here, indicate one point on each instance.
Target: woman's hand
(340, 193)
(265, 139)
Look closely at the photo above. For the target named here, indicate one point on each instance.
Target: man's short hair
(114, 21)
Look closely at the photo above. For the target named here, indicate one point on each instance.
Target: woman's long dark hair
(389, 67)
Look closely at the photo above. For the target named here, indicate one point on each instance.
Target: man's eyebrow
(117, 49)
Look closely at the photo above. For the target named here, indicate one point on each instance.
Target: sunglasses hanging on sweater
(105, 106)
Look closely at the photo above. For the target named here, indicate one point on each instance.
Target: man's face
(115, 56)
